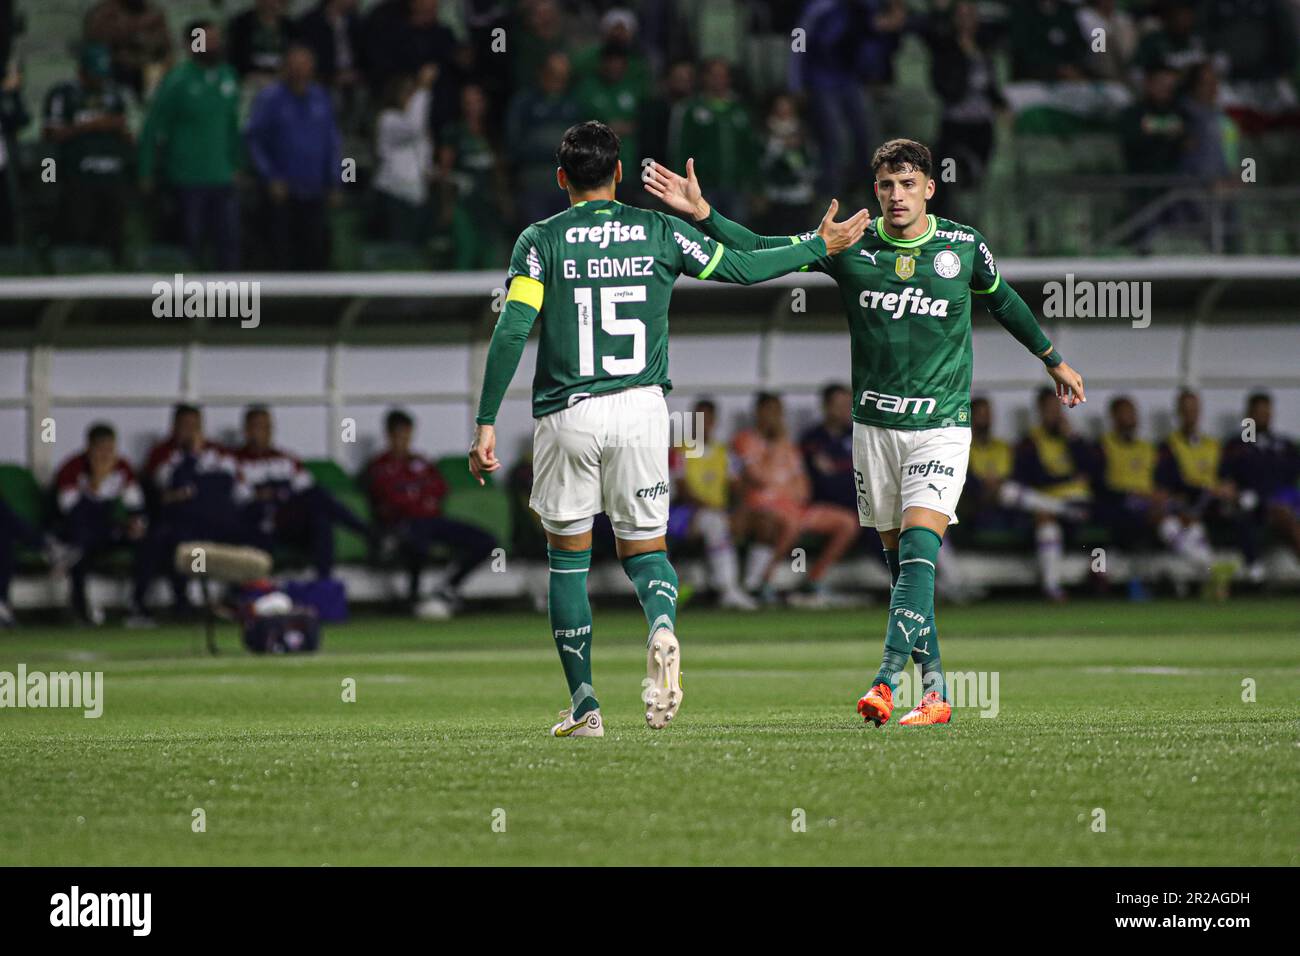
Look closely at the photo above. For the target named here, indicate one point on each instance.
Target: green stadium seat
(17, 261)
(392, 257)
(349, 548)
(160, 258)
(21, 492)
(80, 260)
(455, 468)
(487, 508)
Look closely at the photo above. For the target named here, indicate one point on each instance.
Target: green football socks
(911, 606)
(570, 613)
(656, 587)
(926, 655)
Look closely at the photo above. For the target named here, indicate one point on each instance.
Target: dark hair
(706, 404)
(253, 410)
(1119, 400)
(833, 389)
(898, 155)
(762, 398)
(98, 432)
(1044, 392)
(979, 400)
(588, 154)
(184, 408)
(398, 419)
(1255, 397)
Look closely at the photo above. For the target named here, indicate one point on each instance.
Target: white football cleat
(588, 725)
(661, 691)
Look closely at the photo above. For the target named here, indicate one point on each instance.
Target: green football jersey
(908, 305)
(607, 272)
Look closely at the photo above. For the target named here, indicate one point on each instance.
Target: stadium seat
(160, 258)
(80, 260)
(21, 492)
(392, 257)
(17, 261)
(349, 548)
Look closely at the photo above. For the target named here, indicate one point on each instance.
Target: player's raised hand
(681, 194)
(1069, 385)
(483, 453)
(840, 235)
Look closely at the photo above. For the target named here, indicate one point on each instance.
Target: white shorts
(605, 453)
(896, 469)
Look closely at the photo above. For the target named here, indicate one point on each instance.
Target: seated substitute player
(1054, 465)
(1134, 507)
(702, 485)
(778, 505)
(288, 505)
(599, 277)
(101, 507)
(907, 289)
(406, 492)
(1187, 469)
(1263, 471)
(197, 496)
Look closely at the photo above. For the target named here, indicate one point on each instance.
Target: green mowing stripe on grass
(450, 722)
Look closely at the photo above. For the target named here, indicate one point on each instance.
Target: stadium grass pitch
(1135, 710)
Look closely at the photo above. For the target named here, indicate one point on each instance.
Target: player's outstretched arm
(506, 348)
(1017, 318)
(747, 267)
(682, 195)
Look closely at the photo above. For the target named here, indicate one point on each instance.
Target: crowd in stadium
(256, 127)
(763, 491)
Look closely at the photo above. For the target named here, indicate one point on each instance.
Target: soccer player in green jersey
(597, 278)
(907, 289)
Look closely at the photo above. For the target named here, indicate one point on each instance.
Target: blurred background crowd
(400, 134)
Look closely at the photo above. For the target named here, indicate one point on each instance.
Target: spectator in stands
(1118, 30)
(827, 450)
(407, 493)
(258, 40)
(17, 530)
(678, 85)
(536, 121)
(294, 144)
(101, 508)
(965, 78)
(787, 170)
(1134, 508)
(778, 506)
(1211, 154)
(1154, 135)
(400, 37)
(1257, 37)
(191, 140)
(826, 75)
(138, 37)
(287, 505)
(197, 494)
(618, 30)
(610, 94)
(471, 169)
(404, 149)
(1262, 469)
(702, 482)
(85, 122)
(1059, 465)
(1187, 472)
(1176, 44)
(13, 119)
(1045, 42)
(542, 36)
(333, 31)
(714, 128)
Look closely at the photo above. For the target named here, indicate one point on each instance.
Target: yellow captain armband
(527, 290)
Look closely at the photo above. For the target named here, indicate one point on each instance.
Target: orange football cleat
(933, 709)
(877, 705)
